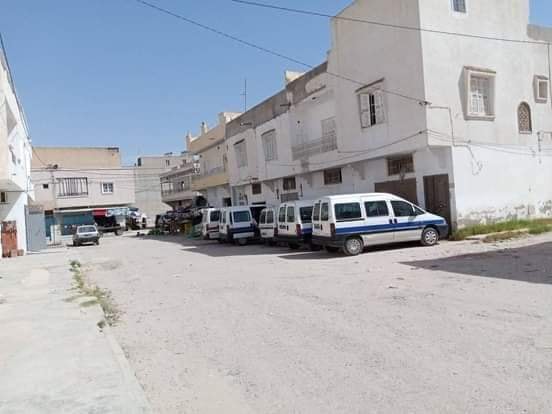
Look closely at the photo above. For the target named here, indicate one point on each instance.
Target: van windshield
(306, 214)
(215, 215)
(242, 216)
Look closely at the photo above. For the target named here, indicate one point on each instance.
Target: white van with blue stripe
(354, 221)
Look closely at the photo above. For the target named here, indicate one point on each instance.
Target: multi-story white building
(210, 153)
(147, 172)
(79, 185)
(459, 124)
(15, 159)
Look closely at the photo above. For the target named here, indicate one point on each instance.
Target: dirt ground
(210, 328)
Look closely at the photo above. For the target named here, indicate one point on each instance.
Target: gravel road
(458, 328)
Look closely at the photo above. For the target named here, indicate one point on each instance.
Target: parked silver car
(86, 234)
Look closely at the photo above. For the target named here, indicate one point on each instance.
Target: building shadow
(531, 264)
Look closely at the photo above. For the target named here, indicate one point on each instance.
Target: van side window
(262, 220)
(306, 214)
(376, 209)
(316, 212)
(324, 212)
(282, 215)
(291, 214)
(270, 217)
(347, 211)
(402, 209)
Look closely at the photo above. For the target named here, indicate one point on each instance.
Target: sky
(115, 73)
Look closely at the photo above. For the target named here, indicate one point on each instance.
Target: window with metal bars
(72, 187)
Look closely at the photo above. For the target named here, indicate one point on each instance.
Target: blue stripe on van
(243, 230)
(384, 228)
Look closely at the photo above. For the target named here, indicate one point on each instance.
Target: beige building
(210, 155)
(81, 185)
(147, 173)
(176, 186)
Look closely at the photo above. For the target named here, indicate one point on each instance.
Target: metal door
(437, 196)
(401, 188)
(36, 228)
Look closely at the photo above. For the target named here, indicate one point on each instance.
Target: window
(215, 216)
(306, 214)
(242, 216)
(167, 163)
(400, 165)
(376, 209)
(371, 107)
(282, 215)
(11, 121)
(107, 188)
(45, 186)
(269, 145)
(3, 197)
(241, 154)
(289, 197)
(289, 183)
(403, 209)
(480, 93)
(270, 217)
(72, 187)
(329, 129)
(332, 176)
(459, 6)
(347, 212)
(524, 118)
(324, 212)
(256, 188)
(542, 87)
(262, 219)
(290, 214)
(316, 212)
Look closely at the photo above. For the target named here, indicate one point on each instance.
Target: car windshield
(86, 229)
(306, 214)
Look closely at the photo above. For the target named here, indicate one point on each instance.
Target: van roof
(299, 203)
(362, 195)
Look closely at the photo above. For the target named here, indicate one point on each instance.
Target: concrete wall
(77, 157)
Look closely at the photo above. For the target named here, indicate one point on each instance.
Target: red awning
(99, 213)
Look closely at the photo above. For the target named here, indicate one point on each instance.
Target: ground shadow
(532, 264)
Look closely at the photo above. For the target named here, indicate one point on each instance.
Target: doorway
(437, 196)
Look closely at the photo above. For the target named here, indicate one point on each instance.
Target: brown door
(402, 188)
(437, 195)
(9, 239)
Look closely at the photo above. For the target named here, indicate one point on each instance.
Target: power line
(388, 25)
(270, 51)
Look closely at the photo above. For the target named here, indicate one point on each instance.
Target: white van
(352, 222)
(237, 225)
(267, 225)
(294, 223)
(210, 223)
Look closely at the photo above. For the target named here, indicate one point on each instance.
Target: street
(209, 328)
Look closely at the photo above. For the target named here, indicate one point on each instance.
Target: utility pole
(244, 94)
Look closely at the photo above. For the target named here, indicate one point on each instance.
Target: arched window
(524, 118)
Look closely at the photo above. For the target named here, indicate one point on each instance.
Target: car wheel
(430, 236)
(97, 242)
(353, 246)
(331, 249)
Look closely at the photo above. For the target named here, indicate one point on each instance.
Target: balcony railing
(315, 147)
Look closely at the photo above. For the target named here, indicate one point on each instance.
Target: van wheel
(293, 246)
(430, 236)
(353, 246)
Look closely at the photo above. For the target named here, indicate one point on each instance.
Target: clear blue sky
(113, 73)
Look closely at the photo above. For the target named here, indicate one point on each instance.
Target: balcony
(212, 178)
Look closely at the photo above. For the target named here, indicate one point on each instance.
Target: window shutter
(364, 105)
(379, 108)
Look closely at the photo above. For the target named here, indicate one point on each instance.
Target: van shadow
(531, 264)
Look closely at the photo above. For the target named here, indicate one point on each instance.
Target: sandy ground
(457, 328)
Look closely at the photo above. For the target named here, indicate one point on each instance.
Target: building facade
(75, 185)
(147, 174)
(16, 189)
(176, 186)
(210, 154)
(459, 125)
